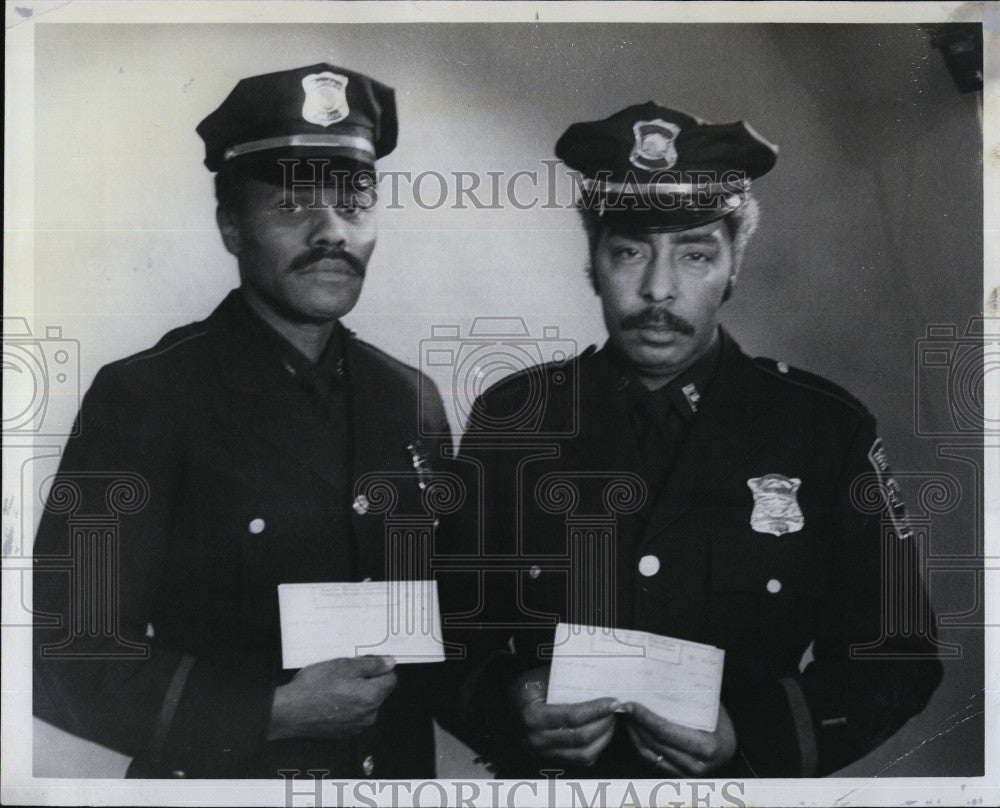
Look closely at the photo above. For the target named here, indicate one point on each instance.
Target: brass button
(361, 505)
(534, 572)
(774, 586)
(257, 525)
(782, 367)
(368, 765)
(178, 773)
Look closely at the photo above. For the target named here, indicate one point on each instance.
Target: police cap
(340, 117)
(649, 167)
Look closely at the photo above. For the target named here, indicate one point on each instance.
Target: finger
(384, 684)
(647, 750)
(588, 755)
(667, 733)
(670, 758)
(575, 737)
(369, 666)
(578, 715)
(530, 691)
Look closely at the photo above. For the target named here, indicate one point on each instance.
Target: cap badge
(654, 145)
(775, 509)
(326, 98)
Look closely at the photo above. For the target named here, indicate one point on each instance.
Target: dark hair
(741, 224)
(230, 188)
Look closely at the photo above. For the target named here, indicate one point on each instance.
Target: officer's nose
(659, 282)
(328, 228)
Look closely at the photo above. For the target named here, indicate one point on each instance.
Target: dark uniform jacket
(762, 575)
(203, 476)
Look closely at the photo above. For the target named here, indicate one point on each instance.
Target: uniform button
(649, 565)
(368, 765)
(366, 580)
(534, 572)
(774, 586)
(178, 773)
(782, 367)
(361, 504)
(437, 523)
(257, 525)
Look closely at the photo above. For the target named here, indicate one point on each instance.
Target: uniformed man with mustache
(239, 443)
(731, 483)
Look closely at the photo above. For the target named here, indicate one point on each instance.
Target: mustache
(657, 318)
(319, 253)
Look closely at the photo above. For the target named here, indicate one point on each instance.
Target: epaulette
(172, 340)
(809, 381)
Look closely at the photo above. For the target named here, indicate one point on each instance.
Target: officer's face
(661, 294)
(302, 254)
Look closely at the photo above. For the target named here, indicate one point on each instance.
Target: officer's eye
(699, 256)
(350, 211)
(625, 252)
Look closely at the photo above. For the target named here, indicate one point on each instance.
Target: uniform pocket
(766, 590)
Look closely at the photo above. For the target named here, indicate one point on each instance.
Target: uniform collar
(320, 376)
(683, 393)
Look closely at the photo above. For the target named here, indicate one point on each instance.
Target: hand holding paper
(675, 679)
(337, 698)
(679, 750)
(569, 733)
(343, 620)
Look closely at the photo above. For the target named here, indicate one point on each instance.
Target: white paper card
(676, 679)
(323, 621)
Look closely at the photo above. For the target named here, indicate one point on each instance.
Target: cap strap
(686, 188)
(334, 141)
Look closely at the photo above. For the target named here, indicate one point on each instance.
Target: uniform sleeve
(870, 671)
(102, 544)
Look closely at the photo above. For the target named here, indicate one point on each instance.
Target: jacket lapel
(722, 439)
(277, 408)
(384, 425)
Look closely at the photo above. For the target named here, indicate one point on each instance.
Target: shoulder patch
(891, 491)
(809, 381)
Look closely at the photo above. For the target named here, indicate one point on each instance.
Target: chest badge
(775, 509)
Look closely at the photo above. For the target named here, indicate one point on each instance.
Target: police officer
(734, 486)
(231, 458)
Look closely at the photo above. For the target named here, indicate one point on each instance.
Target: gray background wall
(871, 230)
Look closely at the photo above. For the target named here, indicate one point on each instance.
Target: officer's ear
(229, 228)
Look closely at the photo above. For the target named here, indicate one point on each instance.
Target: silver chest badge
(654, 145)
(326, 98)
(775, 509)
